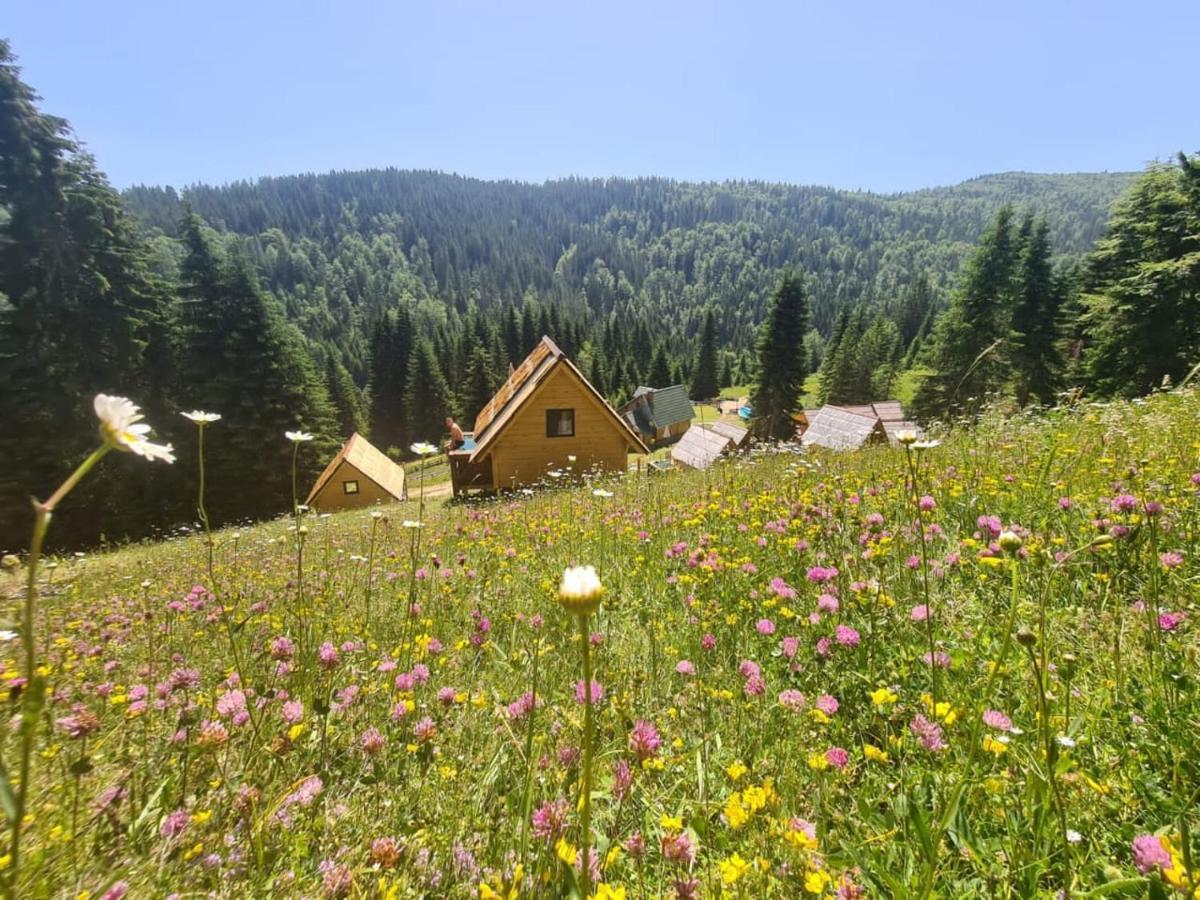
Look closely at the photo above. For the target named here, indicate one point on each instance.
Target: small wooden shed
(545, 417)
(838, 428)
(659, 415)
(359, 476)
(736, 433)
(700, 447)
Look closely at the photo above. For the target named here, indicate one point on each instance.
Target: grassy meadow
(966, 670)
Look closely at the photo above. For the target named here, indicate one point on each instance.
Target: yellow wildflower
(733, 868)
(884, 696)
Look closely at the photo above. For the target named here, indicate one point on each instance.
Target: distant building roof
(653, 409)
(363, 455)
(884, 410)
(839, 428)
(735, 433)
(699, 447)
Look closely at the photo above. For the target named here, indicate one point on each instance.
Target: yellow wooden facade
(516, 441)
(524, 453)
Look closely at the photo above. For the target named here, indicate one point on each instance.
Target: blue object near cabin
(745, 412)
(468, 442)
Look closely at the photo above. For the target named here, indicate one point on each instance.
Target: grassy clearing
(799, 695)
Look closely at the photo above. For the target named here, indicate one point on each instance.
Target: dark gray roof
(657, 408)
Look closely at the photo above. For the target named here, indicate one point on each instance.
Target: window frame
(346, 487)
(554, 415)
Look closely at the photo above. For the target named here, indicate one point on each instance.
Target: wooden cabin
(838, 428)
(544, 414)
(700, 447)
(359, 476)
(659, 415)
(736, 433)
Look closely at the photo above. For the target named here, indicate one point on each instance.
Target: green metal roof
(667, 406)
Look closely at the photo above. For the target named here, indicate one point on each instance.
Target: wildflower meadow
(962, 667)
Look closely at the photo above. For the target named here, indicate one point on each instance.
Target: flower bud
(1010, 542)
(581, 590)
(1026, 638)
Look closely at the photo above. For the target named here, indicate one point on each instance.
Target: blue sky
(882, 96)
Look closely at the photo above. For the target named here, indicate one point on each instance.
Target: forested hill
(339, 247)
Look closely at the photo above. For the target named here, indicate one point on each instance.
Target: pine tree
(428, 401)
(966, 349)
(597, 375)
(849, 370)
(234, 335)
(1036, 355)
(80, 313)
(705, 377)
(829, 359)
(726, 372)
(659, 375)
(512, 337)
(391, 350)
(478, 387)
(781, 362)
(1141, 292)
(346, 398)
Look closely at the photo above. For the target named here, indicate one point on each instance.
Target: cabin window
(349, 487)
(560, 423)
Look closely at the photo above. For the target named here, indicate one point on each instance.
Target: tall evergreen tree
(659, 375)
(831, 356)
(428, 401)
(781, 363)
(391, 351)
(966, 349)
(1036, 355)
(706, 376)
(80, 313)
(346, 398)
(478, 387)
(234, 335)
(1142, 288)
(597, 375)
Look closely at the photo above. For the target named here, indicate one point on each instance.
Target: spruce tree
(659, 375)
(966, 349)
(597, 375)
(1036, 356)
(478, 388)
(705, 376)
(428, 401)
(391, 350)
(80, 313)
(781, 362)
(1141, 293)
(233, 335)
(831, 356)
(346, 398)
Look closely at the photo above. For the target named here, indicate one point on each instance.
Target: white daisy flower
(121, 427)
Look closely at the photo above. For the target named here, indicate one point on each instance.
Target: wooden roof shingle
(838, 428)
(699, 447)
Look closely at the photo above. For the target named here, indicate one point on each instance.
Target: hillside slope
(805, 679)
(339, 247)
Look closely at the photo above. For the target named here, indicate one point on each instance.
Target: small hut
(736, 433)
(838, 428)
(359, 476)
(700, 447)
(545, 416)
(659, 415)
